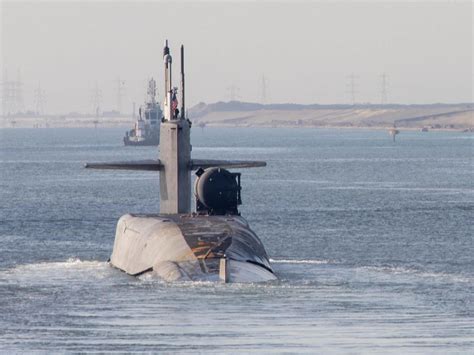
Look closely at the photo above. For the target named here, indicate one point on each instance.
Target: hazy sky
(306, 50)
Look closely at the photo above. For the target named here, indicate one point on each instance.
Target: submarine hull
(190, 247)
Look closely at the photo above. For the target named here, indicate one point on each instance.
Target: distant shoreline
(125, 127)
(448, 117)
(433, 116)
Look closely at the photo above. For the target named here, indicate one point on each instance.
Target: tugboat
(213, 242)
(146, 130)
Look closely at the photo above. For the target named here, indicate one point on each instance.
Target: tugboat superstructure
(146, 129)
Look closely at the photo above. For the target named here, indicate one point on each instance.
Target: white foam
(299, 261)
(56, 272)
(398, 270)
(71, 263)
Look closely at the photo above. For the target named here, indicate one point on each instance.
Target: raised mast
(166, 52)
(167, 106)
(182, 84)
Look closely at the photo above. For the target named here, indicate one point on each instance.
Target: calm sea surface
(372, 242)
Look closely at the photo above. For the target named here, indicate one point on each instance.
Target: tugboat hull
(190, 247)
(152, 141)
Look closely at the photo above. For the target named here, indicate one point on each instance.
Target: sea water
(372, 242)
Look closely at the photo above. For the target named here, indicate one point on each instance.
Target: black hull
(145, 142)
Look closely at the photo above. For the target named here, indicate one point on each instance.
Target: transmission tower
(12, 95)
(40, 100)
(264, 89)
(383, 88)
(7, 92)
(233, 92)
(120, 94)
(352, 87)
(96, 99)
(19, 104)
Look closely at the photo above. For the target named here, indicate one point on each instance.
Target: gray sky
(306, 50)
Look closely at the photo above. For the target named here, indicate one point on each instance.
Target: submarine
(212, 242)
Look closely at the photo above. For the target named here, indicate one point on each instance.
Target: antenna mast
(168, 104)
(182, 84)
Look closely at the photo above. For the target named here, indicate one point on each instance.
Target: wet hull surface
(190, 247)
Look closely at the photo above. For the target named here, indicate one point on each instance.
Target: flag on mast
(174, 101)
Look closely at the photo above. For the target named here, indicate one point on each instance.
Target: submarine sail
(214, 242)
